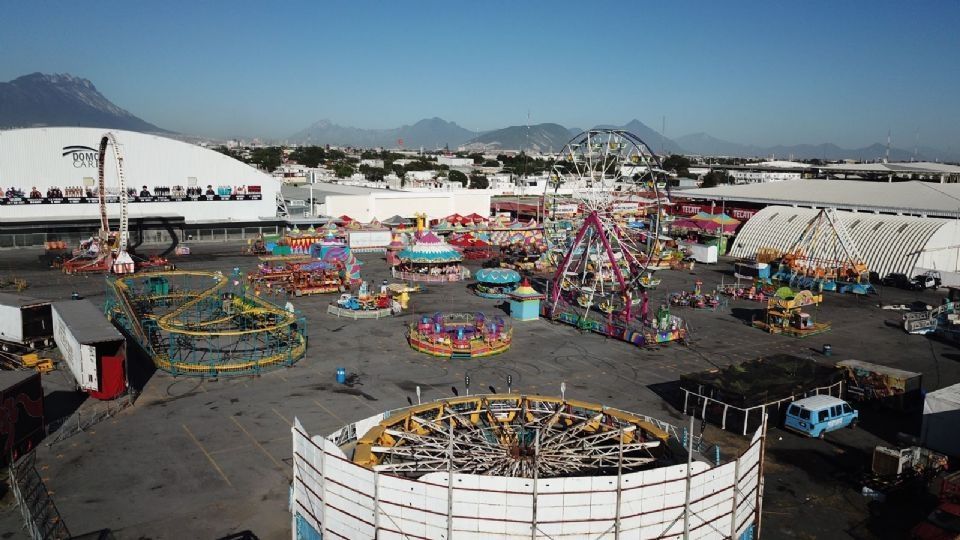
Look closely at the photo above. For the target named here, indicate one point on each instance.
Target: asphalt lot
(204, 458)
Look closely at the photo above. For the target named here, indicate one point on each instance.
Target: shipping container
(368, 240)
(941, 416)
(21, 398)
(25, 321)
(93, 349)
(888, 386)
(701, 253)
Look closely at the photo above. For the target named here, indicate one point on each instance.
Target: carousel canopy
(498, 276)
(525, 292)
(430, 249)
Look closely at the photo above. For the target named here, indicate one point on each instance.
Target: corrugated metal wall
(887, 243)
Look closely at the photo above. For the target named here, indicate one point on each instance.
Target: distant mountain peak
(429, 133)
(62, 99)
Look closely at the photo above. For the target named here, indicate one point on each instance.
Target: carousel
(430, 259)
(366, 304)
(496, 282)
(460, 335)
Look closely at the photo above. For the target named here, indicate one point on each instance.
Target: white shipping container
(369, 239)
(941, 421)
(92, 347)
(701, 253)
(81, 359)
(24, 320)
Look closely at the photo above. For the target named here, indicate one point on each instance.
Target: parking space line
(331, 413)
(258, 445)
(209, 457)
(282, 417)
(243, 447)
(364, 401)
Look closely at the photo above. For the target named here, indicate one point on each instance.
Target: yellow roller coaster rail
(244, 334)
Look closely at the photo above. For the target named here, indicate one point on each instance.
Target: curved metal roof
(886, 243)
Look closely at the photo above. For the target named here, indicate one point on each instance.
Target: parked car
(817, 415)
(928, 280)
(900, 281)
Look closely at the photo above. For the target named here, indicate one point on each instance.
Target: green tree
(343, 170)
(677, 164)
(375, 174)
(714, 178)
(398, 169)
(268, 158)
(457, 176)
(479, 181)
(310, 156)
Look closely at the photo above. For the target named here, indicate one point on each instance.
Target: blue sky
(762, 73)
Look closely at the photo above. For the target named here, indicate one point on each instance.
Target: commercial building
(48, 185)
(914, 198)
(887, 243)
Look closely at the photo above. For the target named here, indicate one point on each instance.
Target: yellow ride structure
(204, 323)
(510, 435)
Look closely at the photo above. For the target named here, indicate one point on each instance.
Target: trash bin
(827, 350)
(341, 375)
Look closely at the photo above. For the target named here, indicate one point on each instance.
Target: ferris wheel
(611, 176)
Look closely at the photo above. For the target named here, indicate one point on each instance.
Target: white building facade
(167, 178)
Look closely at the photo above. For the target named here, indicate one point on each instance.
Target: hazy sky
(762, 73)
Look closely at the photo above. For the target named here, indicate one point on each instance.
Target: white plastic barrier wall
(339, 499)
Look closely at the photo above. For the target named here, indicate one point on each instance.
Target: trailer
(92, 348)
(24, 323)
(941, 416)
(895, 388)
(702, 253)
(21, 402)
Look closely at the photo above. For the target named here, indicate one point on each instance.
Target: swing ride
(604, 274)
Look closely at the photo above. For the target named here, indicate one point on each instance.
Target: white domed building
(48, 186)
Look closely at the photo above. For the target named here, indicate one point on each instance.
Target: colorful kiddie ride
(696, 299)
(297, 278)
(787, 313)
(460, 335)
(753, 293)
(496, 283)
(365, 304)
(825, 258)
(429, 260)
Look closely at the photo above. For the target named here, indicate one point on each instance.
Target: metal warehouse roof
(916, 167)
(19, 300)
(917, 198)
(887, 243)
(86, 322)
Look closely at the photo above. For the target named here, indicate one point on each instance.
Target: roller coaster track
(289, 339)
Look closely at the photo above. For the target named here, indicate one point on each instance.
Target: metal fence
(41, 518)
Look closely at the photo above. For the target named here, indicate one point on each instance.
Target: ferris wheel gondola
(612, 174)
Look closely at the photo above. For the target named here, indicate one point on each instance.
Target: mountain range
(62, 100)
(429, 133)
(65, 100)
